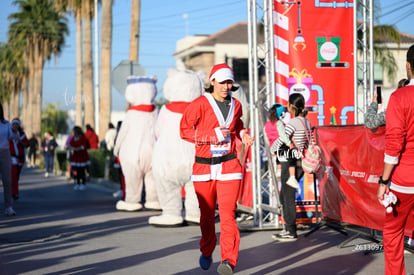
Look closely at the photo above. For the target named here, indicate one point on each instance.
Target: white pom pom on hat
(221, 72)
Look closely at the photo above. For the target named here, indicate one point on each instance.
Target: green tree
(54, 120)
(382, 55)
(12, 75)
(5, 72)
(42, 30)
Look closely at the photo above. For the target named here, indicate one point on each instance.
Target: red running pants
(225, 194)
(15, 176)
(393, 234)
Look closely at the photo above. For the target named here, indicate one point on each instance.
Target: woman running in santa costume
(213, 123)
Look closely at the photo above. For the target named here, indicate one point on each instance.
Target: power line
(202, 18)
(206, 9)
(404, 16)
(399, 8)
(392, 5)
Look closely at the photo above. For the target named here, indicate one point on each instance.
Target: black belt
(215, 160)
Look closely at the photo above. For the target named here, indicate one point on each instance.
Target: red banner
(314, 44)
(354, 160)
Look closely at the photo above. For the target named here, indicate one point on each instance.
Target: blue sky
(162, 24)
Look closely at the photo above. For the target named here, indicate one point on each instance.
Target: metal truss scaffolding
(266, 208)
(364, 64)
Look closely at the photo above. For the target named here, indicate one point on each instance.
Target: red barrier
(245, 197)
(354, 160)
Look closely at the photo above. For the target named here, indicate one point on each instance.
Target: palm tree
(4, 76)
(83, 11)
(105, 96)
(74, 6)
(89, 107)
(12, 75)
(382, 55)
(43, 31)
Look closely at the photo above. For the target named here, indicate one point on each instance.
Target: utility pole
(135, 31)
(96, 68)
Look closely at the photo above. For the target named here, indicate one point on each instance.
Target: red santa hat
(16, 120)
(221, 72)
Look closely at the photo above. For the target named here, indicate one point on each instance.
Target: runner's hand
(382, 190)
(247, 139)
(225, 131)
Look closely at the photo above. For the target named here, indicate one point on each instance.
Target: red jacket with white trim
(399, 135)
(199, 125)
(17, 149)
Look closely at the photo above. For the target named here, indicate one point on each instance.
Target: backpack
(312, 159)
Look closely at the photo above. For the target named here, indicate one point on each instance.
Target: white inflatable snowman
(173, 157)
(135, 142)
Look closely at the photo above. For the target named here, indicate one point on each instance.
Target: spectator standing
(117, 166)
(373, 118)
(110, 137)
(213, 122)
(398, 166)
(297, 129)
(18, 156)
(69, 155)
(33, 147)
(49, 145)
(6, 133)
(91, 137)
(80, 158)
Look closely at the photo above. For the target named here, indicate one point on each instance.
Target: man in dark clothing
(33, 147)
(49, 145)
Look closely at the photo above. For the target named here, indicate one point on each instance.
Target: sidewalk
(61, 231)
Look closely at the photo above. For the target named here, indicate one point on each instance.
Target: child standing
(80, 158)
(275, 128)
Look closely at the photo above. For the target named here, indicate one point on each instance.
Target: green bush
(97, 167)
(114, 173)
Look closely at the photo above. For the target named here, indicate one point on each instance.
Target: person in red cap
(18, 156)
(212, 122)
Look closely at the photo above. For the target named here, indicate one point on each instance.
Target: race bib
(222, 148)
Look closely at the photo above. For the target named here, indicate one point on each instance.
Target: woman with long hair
(298, 129)
(80, 158)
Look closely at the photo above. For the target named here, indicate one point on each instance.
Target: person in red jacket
(92, 137)
(213, 123)
(80, 158)
(18, 156)
(398, 167)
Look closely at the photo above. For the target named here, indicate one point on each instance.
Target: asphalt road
(58, 230)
